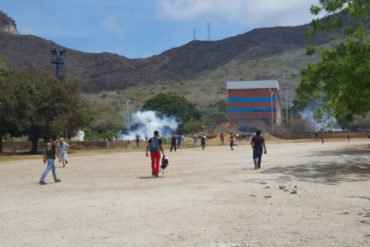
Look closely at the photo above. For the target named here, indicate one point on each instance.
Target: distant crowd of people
(154, 147)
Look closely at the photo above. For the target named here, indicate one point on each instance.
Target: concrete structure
(80, 136)
(253, 104)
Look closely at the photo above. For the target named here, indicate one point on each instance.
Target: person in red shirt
(222, 138)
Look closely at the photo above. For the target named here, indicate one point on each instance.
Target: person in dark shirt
(155, 147)
(231, 141)
(322, 136)
(173, 142)
(50, 151)
(203, 141)
(137, 140)
(257, 143)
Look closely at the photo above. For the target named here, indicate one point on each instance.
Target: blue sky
(141, 28)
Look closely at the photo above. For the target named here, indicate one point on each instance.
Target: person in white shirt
(203, 141)
(63, 150)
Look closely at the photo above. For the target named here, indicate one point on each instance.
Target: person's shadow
(148, 177)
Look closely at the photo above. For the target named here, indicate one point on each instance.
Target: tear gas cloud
(328, 122)
(146, 122)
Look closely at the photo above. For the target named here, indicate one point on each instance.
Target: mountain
(106, 71)
(7, 24)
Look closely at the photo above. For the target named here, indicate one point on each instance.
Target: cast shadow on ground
(345, 152)
(360, 197)
(148, 177)
(353, 167)
(325, 172)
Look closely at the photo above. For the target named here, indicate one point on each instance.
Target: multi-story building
(253, 104)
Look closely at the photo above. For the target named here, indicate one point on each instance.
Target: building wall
(251, 108)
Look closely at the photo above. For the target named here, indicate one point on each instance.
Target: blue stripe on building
(251, 109)
(252, 99)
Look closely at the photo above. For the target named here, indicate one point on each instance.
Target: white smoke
(146, 122)
(328, 122)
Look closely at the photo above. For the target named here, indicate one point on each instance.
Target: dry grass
(211, 86)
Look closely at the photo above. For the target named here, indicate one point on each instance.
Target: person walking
(50, 150)
(195, 139)
(203, 141)
(179, 140)
(155, 147)
(173, 142)
(63, 150)
(137, 140)
(222, 138)
(231, 141)
(322, 136)
(257, 143)
(348, 135)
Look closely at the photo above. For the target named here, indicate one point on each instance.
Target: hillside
(197, 70)
(106, 71)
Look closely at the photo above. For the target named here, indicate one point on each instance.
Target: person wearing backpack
(155, 147)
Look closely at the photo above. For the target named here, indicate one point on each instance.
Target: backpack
(164, 162)
(50, 150)
(154, 145)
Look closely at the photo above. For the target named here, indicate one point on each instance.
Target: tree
(15, 109)
(56, 105)
(173, 105)
(215, 113)
(343, 73)
(104, 122)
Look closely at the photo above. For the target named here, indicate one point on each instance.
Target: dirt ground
(210, 198)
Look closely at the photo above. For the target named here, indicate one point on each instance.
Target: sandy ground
(210, 198)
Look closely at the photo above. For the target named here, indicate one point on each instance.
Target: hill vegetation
(107, 72)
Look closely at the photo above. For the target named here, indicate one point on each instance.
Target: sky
(142, 28)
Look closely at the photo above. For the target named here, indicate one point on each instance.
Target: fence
(327, 134)
(24, 146)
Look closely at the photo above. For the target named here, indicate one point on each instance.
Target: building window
(252, 99)
(251, 109)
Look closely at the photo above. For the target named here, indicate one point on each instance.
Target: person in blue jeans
(50, 150)
(258, 144)
(179, 140)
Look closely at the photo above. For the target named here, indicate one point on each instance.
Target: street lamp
(286, 101)
(272, 114)
(128, 116)
(57, 58)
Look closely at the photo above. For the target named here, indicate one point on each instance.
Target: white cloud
(252, 12)
(112, 24)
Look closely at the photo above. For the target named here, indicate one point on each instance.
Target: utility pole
(57, 58)
(286, 101)
(291, 110)
(272, 114)
(209, 31)
(194, 34)
(128, 116)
